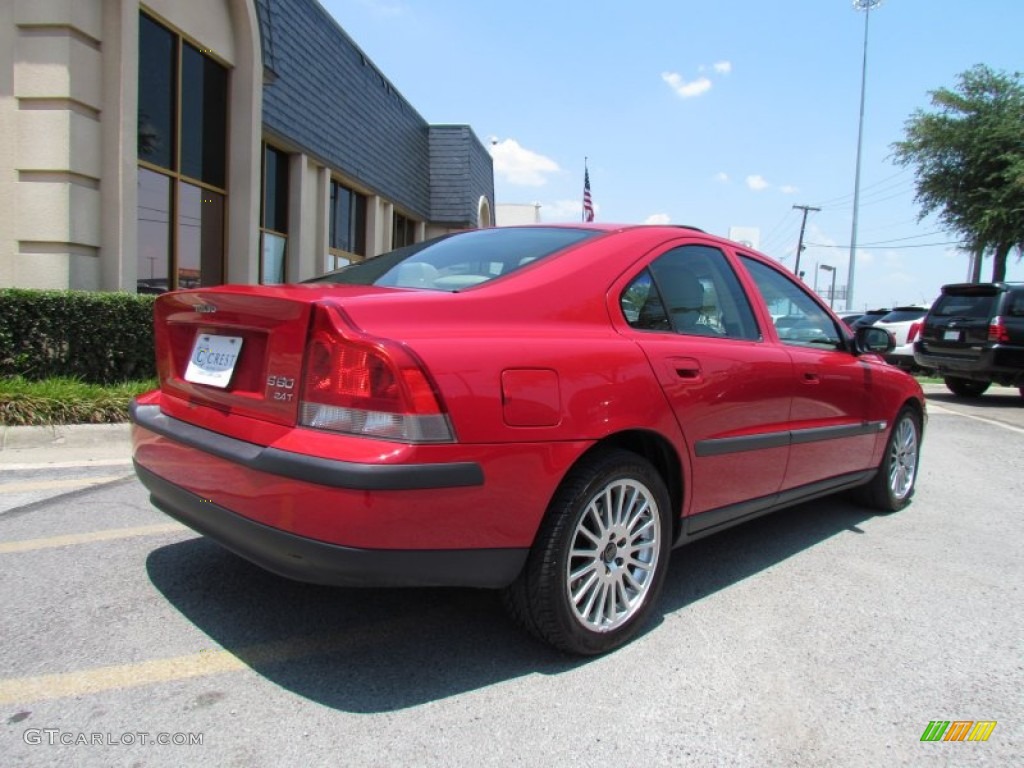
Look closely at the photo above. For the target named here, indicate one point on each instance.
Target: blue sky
(717, 113)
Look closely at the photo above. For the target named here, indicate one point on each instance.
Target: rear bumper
(317, 562)
(453, 515)
(313, 469)
(997, 363)
(902, 356)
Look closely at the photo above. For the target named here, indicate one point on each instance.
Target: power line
(901, 239)
(781, 238)
(778, 224)
(844, 198)
(864, 245)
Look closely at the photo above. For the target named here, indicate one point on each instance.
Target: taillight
(915, 329)
(997, 331)
(366, 386)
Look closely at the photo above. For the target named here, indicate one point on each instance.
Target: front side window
(690, 290)
(799, 319)
(182, 150)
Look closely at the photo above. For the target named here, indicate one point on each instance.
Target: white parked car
(904, 323)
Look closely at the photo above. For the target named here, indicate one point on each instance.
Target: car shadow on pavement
(379, 650)
(704, 567)
(987, 400)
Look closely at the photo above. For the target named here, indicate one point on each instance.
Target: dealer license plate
(213, 359)
(951, 336)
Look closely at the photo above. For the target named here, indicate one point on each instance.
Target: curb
(65, 443)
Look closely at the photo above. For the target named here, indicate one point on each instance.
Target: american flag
(588, 203)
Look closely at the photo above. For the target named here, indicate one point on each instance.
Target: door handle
(687, 371)
(811, 378)
(684, 368)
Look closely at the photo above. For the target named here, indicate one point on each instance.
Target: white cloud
(788, 189)
(684, 89)
(722, 177)
(658, 218)
(564, 210)
(723, 67)
(518, 165)
(757, 183)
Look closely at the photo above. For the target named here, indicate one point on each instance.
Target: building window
(347, 235)
(182, 150)
(403, 231)
(274, 215)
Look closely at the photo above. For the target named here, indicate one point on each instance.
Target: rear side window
(455, 262)
(1015, 304)
(954, 305)
(690, 290)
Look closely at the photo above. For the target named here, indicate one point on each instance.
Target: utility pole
(800, 242)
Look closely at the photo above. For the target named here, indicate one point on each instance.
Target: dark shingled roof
(323, 95)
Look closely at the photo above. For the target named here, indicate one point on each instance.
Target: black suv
(973, 336)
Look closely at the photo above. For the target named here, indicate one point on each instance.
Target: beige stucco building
(169, 143)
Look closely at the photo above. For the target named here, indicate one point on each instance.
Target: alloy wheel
(613, 555)
(903, 458)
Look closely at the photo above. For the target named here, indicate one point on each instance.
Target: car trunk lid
(235, 349)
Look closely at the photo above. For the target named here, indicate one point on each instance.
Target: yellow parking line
(27, 689)
(56, 485)
(214, 662)
(29, 545)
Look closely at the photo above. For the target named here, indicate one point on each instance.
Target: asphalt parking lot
(821, 635)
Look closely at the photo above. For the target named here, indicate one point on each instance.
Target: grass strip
(66, 401)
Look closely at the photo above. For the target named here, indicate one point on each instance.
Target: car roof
(678, 229)
(605, 226)
(980, 287)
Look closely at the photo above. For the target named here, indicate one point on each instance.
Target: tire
(965, 387)
(599, 560)
(892, 488)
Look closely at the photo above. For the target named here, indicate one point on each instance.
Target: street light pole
(832, 290)
(867, 6)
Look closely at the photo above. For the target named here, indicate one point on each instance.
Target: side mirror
(878, 341)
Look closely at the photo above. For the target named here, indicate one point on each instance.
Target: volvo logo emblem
(205, 309)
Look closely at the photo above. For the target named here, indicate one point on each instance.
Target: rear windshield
(902, 315)
(951, 305)
(459, 261)
(869, 318)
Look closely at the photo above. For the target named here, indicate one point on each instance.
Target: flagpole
(588, 204)
(583, 211)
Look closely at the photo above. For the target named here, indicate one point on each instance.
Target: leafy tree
(969, 159)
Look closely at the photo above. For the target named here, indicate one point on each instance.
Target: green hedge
(98, 338)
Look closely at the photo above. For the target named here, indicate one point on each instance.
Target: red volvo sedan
(548, 410)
